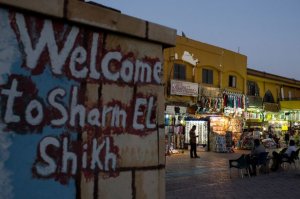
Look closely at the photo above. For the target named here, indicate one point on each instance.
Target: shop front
(223, 111)
(254, 122)
(176, 110)
(290, 110)
(174, 128)
(234, 104)
(210, 101)
(273, 125)
(224, 133)
(201, 131)
(234, 107)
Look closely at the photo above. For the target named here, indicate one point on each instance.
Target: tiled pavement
(208, 177)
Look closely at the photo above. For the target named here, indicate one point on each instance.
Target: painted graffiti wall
(79, 111)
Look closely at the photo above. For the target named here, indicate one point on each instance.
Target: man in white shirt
(291, 148)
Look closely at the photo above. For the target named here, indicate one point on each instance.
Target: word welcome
(83, 63)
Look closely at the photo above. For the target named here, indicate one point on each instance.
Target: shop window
(269, 97)
(253, 88)
(232, 81)
(207, 76)
(179, 72)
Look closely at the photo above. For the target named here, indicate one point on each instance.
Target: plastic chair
(282, 151)
(290, 160)
(263, 161)
(297, 156)
(241, 164)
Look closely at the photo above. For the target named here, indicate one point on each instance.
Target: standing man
(193, 151)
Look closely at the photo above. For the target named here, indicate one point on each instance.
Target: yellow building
(204, 81)
(206, 65)
(212, 88)
(273, 103)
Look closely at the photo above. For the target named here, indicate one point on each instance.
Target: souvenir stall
(236, 128)
(201, 131)
(295, 126)
(217, 138)
(234, 106)
(291, 111)
(252, 129)
(209, 105)
(234, 103)
(174, 128)
(273, 127)
(296, 129)
(254, 121)
(294, 122)
(210, 100)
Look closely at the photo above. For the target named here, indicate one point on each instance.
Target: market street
(208, 177)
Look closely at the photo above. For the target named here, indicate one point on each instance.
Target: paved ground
(208, 177)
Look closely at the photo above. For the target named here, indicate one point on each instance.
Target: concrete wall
(82, 102)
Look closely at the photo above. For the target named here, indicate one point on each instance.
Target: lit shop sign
(184, 88)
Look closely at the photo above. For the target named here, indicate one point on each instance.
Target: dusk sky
(266, 31)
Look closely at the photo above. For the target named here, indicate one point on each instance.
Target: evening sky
(266, 31)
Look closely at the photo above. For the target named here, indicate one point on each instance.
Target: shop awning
(290, 105)
(270, 107)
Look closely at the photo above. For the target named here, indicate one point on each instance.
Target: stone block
(102, 17)
(161, 34)
(137, 150)
(52, 8)
(92, 93)
(87, 187)
(132, 26)
(140, 49)
(115, 187)
(150, 184)
(162, 147)
(160, 105)
(158, 91)
(111, 92)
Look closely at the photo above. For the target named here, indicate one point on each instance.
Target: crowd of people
(277, 157)
(259, 154)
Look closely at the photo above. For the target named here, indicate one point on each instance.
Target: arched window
(269, 97)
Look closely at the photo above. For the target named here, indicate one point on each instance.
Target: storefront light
(167, 116)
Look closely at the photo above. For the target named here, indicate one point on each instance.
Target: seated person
(256, 150)
(277, 158)
(290, 149)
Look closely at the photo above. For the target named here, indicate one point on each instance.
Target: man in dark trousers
(193, 151)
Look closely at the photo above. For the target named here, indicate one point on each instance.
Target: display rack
(201, 131)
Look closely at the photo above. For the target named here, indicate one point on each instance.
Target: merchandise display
(201, 131)
(225, 133)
